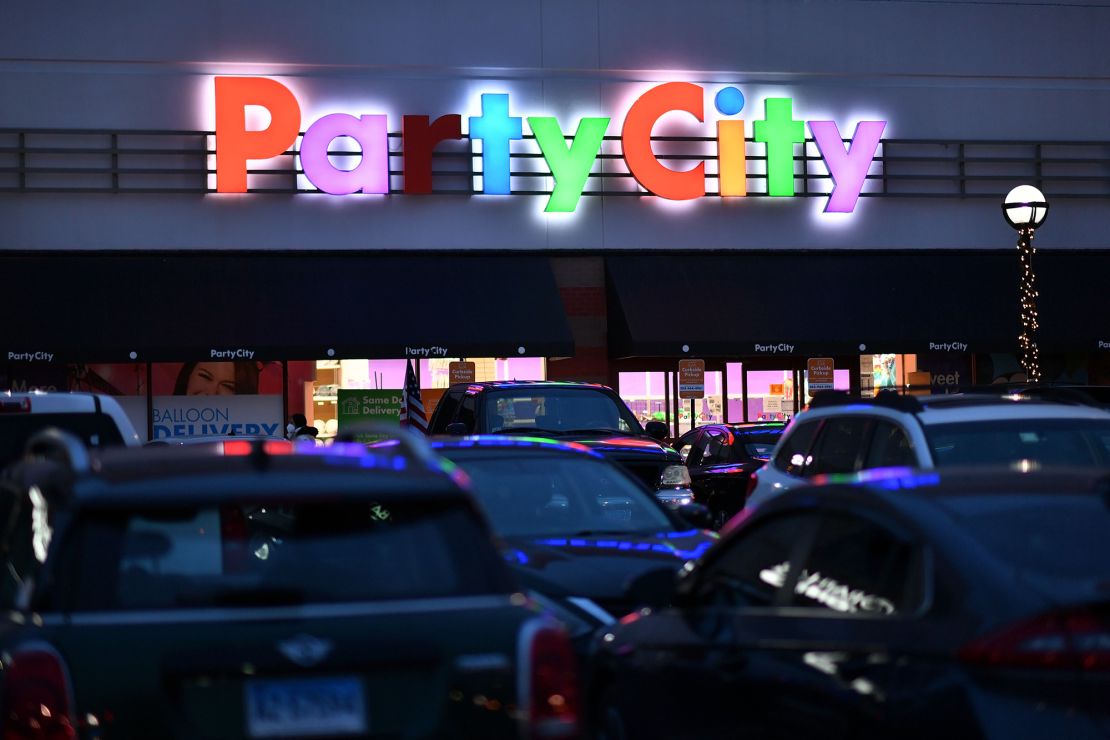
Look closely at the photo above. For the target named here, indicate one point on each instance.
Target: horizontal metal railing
(137, 161)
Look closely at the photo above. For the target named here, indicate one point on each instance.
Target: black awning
(181, 307)
(1074, 301)
(812, 303)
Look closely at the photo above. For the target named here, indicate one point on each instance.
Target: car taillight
(37, 699)
(553, 685)
(1071, 640)
(15, 405)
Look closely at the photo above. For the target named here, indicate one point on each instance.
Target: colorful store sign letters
(775, 136)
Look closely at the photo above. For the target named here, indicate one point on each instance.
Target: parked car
(723, 460)
(98, 420)
(930, 604)
(575, 526)
(593, 415)
(265, 589)
(840, 434)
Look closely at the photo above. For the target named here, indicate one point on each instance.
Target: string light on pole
(1025, 209)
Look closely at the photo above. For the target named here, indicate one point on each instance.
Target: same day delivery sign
(570, 164)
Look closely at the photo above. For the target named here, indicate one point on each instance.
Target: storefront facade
(584, 190)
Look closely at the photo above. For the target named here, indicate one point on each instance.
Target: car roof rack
(883, 399)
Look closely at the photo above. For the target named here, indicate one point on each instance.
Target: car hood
(599, 567)
(624, 447)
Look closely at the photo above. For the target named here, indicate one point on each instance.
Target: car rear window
(94, 429)
(1062, 536)
(293, 552)
(557, 410)
(1080, 442)
(536, 496)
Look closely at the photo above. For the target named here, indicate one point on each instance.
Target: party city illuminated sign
(778, 132)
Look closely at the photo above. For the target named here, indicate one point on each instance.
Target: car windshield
(526, 495)
(557, 411)
(1062, 536)
(292, 552)
(1081, 442)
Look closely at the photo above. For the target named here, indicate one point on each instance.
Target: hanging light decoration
(1025, 209)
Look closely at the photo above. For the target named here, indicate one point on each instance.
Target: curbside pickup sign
(691, 379)
(819, 374)
(461, 372)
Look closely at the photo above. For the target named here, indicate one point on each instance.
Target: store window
(707, 410)
(211, 399)
(346, 392)
(646, 395)
(770, 395)
(885, 372)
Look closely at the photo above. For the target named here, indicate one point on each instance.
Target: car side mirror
(697, 514)
(657, 430)
(654, 589)
(456, 429)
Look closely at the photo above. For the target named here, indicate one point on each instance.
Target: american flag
(412, 408)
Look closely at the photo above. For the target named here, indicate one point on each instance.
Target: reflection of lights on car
(263, 551)
(827, 591)
(676, 497)
(662, 547)
(41, 532)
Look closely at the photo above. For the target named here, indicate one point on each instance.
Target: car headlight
(674, 498)
(675, 476)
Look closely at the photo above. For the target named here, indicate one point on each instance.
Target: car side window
(858, 567)
(754, 565)
(890, 447)
(793, 457)
(714, 449)
(685, 446)
(840, 446)
(445, 412)
(467, 411)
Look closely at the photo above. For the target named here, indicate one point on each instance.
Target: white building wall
(934, 69)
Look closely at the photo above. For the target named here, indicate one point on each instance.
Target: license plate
(305, 707)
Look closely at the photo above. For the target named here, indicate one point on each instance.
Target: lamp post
(1025, 209)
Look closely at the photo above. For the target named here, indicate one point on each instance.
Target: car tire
(608, 724)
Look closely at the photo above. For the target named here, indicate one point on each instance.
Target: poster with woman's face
(216, 378)
(217, 399)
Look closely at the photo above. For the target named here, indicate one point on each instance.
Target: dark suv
(264, 589)
(593, 415)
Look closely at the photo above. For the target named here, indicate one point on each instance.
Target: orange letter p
(235, 145)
